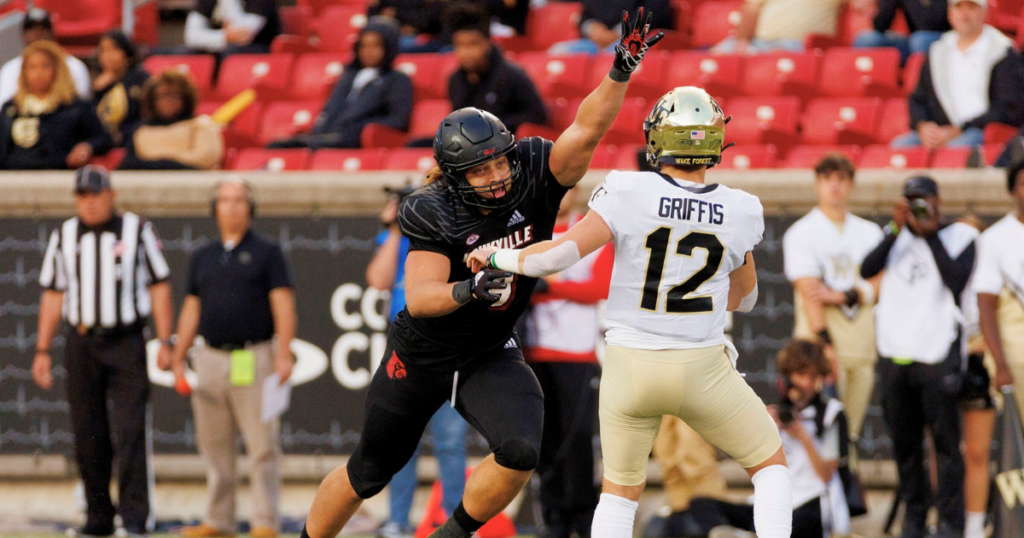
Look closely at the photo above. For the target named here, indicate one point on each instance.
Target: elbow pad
(747, 303)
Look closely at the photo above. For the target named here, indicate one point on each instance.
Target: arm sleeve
(199, 34)
(1005, 103)
(918, 101)
(955, 272)
(591, 290)
(156, 266)
(280, 274)
(52, 276)
(874, 262)
(885, 15)
(797, 258)
(417, 220)
(987, 276)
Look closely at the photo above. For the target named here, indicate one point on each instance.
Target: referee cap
(920, 187)
(91, 178)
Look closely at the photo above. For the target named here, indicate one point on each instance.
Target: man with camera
(927, 265)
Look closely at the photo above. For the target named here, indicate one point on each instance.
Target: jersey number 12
(677, 301)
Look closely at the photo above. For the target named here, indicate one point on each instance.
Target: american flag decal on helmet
(696, 135)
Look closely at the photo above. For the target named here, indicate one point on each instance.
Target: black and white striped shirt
(104, 271)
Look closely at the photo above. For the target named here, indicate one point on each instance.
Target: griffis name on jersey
(691, 209)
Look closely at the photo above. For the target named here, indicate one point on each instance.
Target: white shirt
(815, 247)
(806, 484)
(969, 74)
(917, 317)
(200, 35)
(1001, 258)
(11, 70)
(675, 244)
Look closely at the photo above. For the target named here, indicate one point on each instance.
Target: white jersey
(1001, 258)
(675, 244)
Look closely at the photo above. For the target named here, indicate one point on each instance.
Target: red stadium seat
(555, 22)
(604, 157)
(782, 74)
(808, 156)
(912, 72)
(627, 158)
(895, 119)
(556, 76)
(950, 158)
(427, 115)
(428, 82)
(899, 159)
(715, 21)
(338, 27)
(111, 160)
(648, 81)
(718, 75)
(315, 74)
(296, 20)
(284, 119)
(1006, 15)
(347, 160)
(318, 6)
(419, 159)
(243, 130)
(1000, 133)
(274, 160)
(841, 121)
(198, 66)
(745, 157)
(628, 127)
(82, 18)
(267, 73)
(849, 72)
(762, 120)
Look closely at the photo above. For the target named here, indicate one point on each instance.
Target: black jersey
(436, 221)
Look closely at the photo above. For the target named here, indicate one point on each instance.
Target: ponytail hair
(433, 175)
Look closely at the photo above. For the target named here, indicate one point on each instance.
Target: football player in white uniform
(682, 259)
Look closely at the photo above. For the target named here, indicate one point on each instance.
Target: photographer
(927, 266)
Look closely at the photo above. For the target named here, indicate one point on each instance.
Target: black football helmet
(469, 137)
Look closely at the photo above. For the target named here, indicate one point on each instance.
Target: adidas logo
(517, 217)
(511, 344)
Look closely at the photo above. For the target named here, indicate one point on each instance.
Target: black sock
(466, 521)
(304, 533)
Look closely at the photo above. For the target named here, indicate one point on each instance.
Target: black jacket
(132, 83)
(51, 139)
(504, 90)
(264, 8)
(1005, 93)
(932, 17)
(386, 100)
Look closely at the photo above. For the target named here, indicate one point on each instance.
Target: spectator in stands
(118, 86)
(927, 20)
(485, 79)
(971, 77)
(561, 348)
(772, 25)
(601, 24)
(171, 136)
(46, 125)
(369, 91)
(419, 21)
(37, 26)
(232, 26)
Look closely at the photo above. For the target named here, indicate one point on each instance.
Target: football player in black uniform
(454, 344)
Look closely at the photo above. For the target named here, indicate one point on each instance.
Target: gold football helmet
(686, 128)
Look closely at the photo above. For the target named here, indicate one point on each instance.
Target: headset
(237, 181)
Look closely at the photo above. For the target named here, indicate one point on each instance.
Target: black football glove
(634, 44)
(478, 287)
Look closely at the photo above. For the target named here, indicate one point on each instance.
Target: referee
(103, 273)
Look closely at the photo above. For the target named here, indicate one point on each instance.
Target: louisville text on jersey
(515, 239)
(691, 209)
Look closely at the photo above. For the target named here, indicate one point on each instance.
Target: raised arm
(571, 154)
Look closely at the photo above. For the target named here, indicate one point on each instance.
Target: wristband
(463, 292)
(504, 259)
(825, 338)
(852, 297)
(618, 75)
(892, 229)
(169, 342)
(867, 292)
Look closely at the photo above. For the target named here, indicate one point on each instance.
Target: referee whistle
(182, 387)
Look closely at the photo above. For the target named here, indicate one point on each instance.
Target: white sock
(773, 502)
(974, 526)
(613, 517)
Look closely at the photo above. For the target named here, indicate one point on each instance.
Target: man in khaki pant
(240, 299)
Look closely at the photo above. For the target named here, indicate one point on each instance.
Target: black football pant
(498, 395)
(914, 397)
(568, 495)
(100, 370)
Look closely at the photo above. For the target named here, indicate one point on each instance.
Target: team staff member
(240, 299)
(822, 252)
(455, 340)
(927, 266)
(104, 274)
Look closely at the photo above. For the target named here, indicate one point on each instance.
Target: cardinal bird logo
(396, 370)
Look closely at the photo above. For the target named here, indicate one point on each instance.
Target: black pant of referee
(102, 365)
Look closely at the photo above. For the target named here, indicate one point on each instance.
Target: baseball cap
(982, 3)
(920, 187)
(37, 17)
(91, 178)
